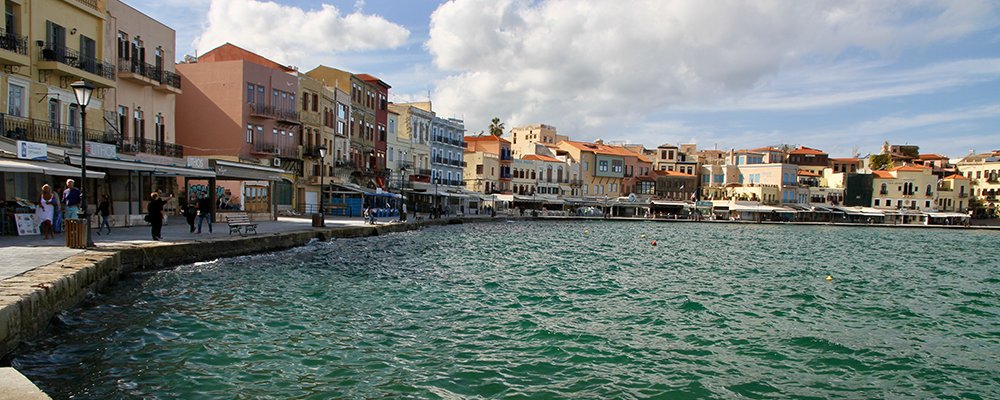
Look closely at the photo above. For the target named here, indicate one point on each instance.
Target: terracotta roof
(956, 176)
(804, 172)
(486, 138)
(372, 79)
(848, 159)
(806, 150)
(931, 157)
(598, 148)
(883, 174)
(766, 149)
(672, 173)
(539, 157)
(232, 52)
(910, 168)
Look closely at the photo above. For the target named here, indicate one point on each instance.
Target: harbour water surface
(550, 310)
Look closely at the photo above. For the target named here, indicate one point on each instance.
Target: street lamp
(322, 188)
(83, 90)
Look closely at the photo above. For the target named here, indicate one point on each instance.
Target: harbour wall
(30, 300)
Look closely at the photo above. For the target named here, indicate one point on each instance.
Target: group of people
(200, 209)
(53, 209)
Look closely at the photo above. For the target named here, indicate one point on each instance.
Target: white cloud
(606, 65)
(288, 34)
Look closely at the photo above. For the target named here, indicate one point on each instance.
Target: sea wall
(30, 300)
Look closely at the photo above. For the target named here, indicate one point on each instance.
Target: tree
(881, 161)
(496, 127)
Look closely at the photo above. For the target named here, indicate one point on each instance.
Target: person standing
(104, 210)
(155, 216)
(204, 212)
(71, 200)
(190, 212)
(45, 212)
(402, 214)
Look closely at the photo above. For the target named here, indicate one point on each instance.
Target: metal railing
(73, 58)
(288, 150)
(34, 130)
(90, 3)
(152, 147)
(264, 110)
(171, 79)
(11, 41)
(136, 67)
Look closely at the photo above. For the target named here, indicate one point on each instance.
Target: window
(616, 166)
(123, 120)
(250, 93)
(122, 45)
(888, 202)
(305, 102)
(15, 99)
(391, 152)
(602, 166)
(315, 102)
(249, 133)
(927, 204)
(158, 59)
(138, 125)
(876, 202)
(160, 129)
(274, 97)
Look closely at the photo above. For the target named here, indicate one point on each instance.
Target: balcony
(505, 156)
(138, 72)
(152, 147)
(261, 110)
(169, 82)
(312, 151)
(34, 130)
(288, 116)
(505, 175)
(13, 49)
(70, 64)
(283, 150)
(438, 160)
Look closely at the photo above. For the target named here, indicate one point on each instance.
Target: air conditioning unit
(276, 162)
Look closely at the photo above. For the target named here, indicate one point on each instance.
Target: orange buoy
(654, 243)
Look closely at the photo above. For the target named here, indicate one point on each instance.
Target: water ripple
(549, 310)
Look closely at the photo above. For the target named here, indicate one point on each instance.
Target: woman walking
(104, 210)
(46, 211)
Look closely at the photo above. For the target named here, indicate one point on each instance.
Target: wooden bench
(240, 223)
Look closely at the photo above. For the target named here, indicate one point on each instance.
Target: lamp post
(322, 188)
(83, 91)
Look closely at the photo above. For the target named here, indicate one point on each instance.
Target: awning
(234, 170)
(45, 168)
(671, 203)
(137, 165)
(947, 215)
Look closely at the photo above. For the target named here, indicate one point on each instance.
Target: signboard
(101, 150)
(32, 151)
(704, 204)
(27, 224)
(197, 162)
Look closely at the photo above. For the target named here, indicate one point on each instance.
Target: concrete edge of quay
(29, 301)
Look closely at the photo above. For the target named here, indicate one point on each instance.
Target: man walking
(71, 200)
(204, 212)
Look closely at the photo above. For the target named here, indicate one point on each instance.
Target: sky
(842, 75)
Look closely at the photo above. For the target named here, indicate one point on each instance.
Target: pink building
(238, 111)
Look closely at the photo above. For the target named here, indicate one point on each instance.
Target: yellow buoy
(829, 278)
(643, 236)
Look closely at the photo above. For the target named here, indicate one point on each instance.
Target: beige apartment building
(953, 193)
(983, 171)
(911, 186)
(525, 139)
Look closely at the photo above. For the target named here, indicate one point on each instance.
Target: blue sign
(32, 151)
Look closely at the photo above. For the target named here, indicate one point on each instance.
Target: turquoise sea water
(551, 310)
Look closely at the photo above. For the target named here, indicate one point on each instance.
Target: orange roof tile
(372, 79)
(232, 52)
(598, 148)
(848, 159)
(910, 168)
(806, 150)
(956, 176)
(486, 138)
(931, 157)
(766, 149)
(883, 174)
(539, 157)
(804, 172)
(672, 173)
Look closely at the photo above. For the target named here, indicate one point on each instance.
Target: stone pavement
(19, 254)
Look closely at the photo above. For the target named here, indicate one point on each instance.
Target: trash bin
(76, 233)
(318, 221)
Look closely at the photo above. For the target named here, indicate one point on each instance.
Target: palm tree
(496, 127)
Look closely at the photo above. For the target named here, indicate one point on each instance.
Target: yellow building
(983, 171)
(525, 139)
(953, 193)
(49, 44)
(911, 186)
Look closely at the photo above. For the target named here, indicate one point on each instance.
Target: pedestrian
(71, 200)
(155, 216)
(402, 215)
(47, 205)
(205, 212)
(190, 211)
(104, 210)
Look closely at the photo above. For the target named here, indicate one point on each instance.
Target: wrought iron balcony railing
(11, 41)
(73, 58)
(152, 147)
(34, 130)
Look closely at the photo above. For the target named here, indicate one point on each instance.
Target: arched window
(885, 189)
(929, 190)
